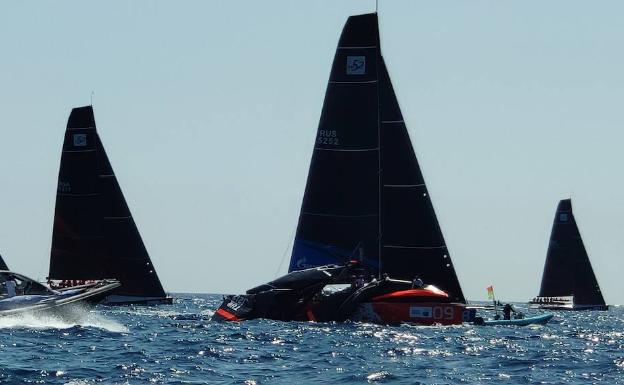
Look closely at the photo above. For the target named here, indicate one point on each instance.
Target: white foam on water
(69, 318)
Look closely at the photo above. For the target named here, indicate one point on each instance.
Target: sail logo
(563, 217)
(356, 65)
(420, 312)
(63, 187)
(435, 312)
(328, 137)
(237, 302)
(80, 140)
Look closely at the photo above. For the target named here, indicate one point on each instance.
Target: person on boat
(417, 283)
(10, 288)
(507, 310)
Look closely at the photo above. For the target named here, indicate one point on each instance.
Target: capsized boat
(20, 294)
(568, 281)
(541, 319)
(94, 236)
(315, 294)
(366, 198)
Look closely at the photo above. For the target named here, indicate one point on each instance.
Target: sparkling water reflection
(178, 344)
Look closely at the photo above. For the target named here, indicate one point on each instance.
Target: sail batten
(94, 235)
(364, 162)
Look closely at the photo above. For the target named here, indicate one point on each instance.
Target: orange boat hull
(416, 306)
(427, 313)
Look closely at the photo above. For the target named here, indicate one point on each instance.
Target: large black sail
(365, 196)
(339, 218)
(94, 235)
(3, 265)
(568, 271)
(411, 239)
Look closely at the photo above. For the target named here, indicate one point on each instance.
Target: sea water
(178, 344)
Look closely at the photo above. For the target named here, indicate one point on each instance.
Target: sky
(208, 111)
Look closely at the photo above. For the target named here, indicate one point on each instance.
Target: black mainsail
(568, 271)
(365, 196)
(3, 265)
(94, 235)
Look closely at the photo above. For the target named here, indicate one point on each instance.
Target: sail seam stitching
(347, 149)
(414, 247)
(404, 185)
(340, 215)
(356, 47)
(353, 82)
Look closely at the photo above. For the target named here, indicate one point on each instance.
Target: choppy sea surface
(178, 344)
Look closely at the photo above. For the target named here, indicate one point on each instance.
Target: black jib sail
(3, 265)
(365, 197)
(94, 235)
(568, 271)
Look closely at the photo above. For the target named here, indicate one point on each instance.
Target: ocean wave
(70, 318)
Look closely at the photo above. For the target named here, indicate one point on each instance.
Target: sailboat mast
(379, 169)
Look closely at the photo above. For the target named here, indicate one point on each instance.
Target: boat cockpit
(13, 284)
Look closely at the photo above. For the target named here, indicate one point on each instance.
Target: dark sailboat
(366, 197)
(365, 212)
(568, 281)
(94, 235)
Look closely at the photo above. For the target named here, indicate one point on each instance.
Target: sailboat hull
(572, 308)
(305, 295)
(57, 301)
(421, 313)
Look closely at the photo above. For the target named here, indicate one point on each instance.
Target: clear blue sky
(208, 111)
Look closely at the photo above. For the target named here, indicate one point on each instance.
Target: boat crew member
(507, 309)
(10, 287)
(417, 283)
